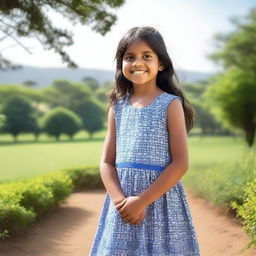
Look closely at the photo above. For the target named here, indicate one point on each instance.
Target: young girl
(145, 154)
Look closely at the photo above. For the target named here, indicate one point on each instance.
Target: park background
(53, 115)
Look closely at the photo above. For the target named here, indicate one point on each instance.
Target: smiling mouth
(138, 72)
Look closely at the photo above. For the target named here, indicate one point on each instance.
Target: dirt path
(69, 231)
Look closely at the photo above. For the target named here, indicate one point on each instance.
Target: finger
(124, 200)
(122, 209)
(139, 221)
(136, 222)
(127, 218)
(119, 201)
(144, 214)
(133, 221)
(142, 217)
(123, 215)
(130, 218)
(120, 205)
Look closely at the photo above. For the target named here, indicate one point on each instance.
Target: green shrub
(36, 197)
(11, 192)
(224, 182)
(235, 179)
(85, 177)
(22, 202)
(14, 218)
(248, 211)
(59, 183)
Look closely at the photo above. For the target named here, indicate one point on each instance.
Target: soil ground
(70, 230)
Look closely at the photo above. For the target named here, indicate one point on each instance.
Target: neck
(146, 91)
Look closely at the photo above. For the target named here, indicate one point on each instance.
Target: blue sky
(187, 27)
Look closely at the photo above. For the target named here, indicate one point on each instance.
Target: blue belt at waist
(140, 166)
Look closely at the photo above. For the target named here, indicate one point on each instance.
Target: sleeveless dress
(142, 152)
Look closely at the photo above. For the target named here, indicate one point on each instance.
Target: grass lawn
(28, 158)
(210, 150)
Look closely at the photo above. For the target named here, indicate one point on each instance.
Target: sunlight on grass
(28, 158)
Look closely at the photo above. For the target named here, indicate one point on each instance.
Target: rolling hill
(45, 76)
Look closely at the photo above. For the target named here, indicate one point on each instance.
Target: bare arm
(179, 151)
(107, 165)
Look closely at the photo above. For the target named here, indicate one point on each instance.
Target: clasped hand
(131, 209)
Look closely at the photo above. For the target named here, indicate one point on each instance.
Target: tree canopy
(67, 94)
(29, 18)
(20, 116)
(233, 92)
(233, 98)
(92, 115)
(238, 48)
(61, 120)
(2, 120)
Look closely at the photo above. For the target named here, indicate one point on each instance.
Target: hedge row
(248, 211)
(22, 202)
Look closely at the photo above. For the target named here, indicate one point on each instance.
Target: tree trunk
(15, 137)
(250, 134)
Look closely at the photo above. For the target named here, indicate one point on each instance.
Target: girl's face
(140, 64)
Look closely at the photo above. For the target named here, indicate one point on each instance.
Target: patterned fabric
(142, 153)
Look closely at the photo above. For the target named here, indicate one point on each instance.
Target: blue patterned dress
(142, 152)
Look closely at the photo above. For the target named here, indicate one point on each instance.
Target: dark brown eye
(129, 58)
(147, 56)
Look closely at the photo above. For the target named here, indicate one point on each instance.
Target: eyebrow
(142, 52)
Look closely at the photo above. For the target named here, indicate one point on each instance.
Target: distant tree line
(66, 108)
(61, 108)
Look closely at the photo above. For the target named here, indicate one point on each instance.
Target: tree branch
(16, 40)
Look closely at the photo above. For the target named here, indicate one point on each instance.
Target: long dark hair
(165, 79)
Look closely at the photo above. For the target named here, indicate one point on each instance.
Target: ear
(161, 68)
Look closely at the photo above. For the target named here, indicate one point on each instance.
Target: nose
(137, 62)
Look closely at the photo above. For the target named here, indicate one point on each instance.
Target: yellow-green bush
(224, 183)
(85, 177)
(59, 183)
(248, 211)
(23, 201)
(36, 197)
(14, 218)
